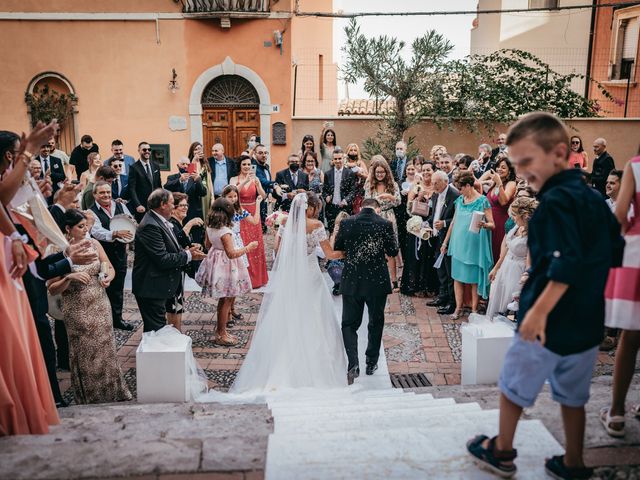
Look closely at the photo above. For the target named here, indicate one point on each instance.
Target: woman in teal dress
(471, 257)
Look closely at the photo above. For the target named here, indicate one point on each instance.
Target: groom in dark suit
(159, 260)
(366, 240)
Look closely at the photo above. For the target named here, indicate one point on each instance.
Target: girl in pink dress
(249, 189)
(222, 274)
(623, 300)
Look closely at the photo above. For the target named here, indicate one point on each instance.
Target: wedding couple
(297, 342)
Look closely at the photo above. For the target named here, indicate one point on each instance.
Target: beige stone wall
(621, 135)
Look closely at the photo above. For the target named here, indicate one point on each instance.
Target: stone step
(305, 395)
(422, 452)
(337, 416)
(347, 400)
(388, 406)
(419, 418)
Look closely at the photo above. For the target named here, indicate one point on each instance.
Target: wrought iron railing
(221, 6)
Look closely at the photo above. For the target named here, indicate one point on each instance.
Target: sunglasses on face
(145, 149)
(575, 142)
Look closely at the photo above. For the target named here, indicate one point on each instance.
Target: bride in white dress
(297, 342)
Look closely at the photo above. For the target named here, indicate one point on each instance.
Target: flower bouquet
(418, 227)
(276, 219)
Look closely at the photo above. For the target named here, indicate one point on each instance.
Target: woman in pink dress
(623, 300)
(250, 188)
(502, 190)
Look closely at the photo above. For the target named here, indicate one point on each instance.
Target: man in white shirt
(104, 209)
(338, 188)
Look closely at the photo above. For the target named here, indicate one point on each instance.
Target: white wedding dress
(297, 342)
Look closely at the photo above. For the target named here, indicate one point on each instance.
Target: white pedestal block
(484, 346)
(161, 372)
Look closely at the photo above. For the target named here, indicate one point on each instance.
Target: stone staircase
(389, 434)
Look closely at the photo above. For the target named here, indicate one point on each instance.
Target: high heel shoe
(236, 315)
(456, 315)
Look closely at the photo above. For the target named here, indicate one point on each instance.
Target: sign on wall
(160, 155)
(279, 134)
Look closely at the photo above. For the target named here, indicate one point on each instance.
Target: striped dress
(623, 287)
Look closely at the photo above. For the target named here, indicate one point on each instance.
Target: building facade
(559, 38)
(615, 58)
(164, 72)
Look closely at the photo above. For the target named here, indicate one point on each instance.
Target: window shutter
(630, 43)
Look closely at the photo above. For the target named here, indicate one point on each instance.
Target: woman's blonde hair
(346, 150)
(523, 207)
(437, 149)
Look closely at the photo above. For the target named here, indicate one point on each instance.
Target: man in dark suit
(222, 169)
(105, 208)
(602, 165)
(52, 167)
(80, 154)
(366, 240)
(144, 178)
(120, 184)
(290, 181)
(159, 260)
(399, 164)
(339, 188)
(264, 175)
(501, 146)
(442, 209)
(189, 184)
(62, 201)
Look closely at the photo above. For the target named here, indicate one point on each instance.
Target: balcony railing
(222, 7)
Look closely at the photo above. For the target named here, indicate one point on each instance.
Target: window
(624, 51)
(543, 4)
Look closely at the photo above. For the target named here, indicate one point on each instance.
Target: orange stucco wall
(120, 72)
(599, 68)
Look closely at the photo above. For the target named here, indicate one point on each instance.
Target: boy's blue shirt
(570, 237)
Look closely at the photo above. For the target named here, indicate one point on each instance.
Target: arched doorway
(230, 114)
(55, 82)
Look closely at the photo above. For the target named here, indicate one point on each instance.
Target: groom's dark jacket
(366, 239)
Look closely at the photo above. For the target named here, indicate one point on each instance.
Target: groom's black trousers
(352, 311)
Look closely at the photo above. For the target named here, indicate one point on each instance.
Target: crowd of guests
(207, 221)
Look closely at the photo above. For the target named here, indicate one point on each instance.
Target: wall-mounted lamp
(173, 83)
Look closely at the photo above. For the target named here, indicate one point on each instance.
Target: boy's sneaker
(556, 468)
(490, 458)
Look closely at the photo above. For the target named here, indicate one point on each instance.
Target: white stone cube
(161, 372)
(483, 349)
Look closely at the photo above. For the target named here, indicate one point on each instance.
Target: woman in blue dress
(471, 257)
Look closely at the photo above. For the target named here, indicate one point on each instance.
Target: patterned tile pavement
(416, 339)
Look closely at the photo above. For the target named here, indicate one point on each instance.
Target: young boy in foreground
(561, 317)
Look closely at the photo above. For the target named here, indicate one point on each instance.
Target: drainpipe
(587, 81)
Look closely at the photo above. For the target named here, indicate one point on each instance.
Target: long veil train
(297, 342)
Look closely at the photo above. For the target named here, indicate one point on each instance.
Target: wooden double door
(231, 127)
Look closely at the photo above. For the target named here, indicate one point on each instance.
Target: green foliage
(386, 74)
(483, 89)
(46, 104)
(500, 87)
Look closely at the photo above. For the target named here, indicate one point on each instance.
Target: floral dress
(221, 276)
(386, 206)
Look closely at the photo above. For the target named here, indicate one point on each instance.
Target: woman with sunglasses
(577, 157)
